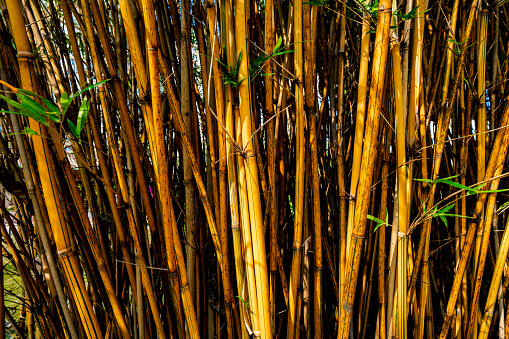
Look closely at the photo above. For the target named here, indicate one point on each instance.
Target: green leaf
(278, 45)
(455, 184)
(72, 127)
(375, 219)
(379, 222)
(82, 115)
(284, 52)
(53, 109)
(29, 131)
(26, 111)
(34, 105)
(495, 191)
(238, 61)
(451, 177)
(65, 101)
(410, 15)
(92, 86)
(457, 43)
(446, 208)
(25, 92)
(314, 3)
(454, 215)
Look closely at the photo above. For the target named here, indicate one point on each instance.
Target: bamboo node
(64, 252)
(25, 54)
(185, 287)
(357, 236)
(402, 235)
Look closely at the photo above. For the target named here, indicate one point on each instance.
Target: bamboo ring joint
(64, 252)
(357, 236)
(25, 54)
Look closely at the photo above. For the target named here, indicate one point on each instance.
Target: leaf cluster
(31, 108)
(257, 64)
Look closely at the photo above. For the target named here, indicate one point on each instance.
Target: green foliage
(29, 107)
(410, 15)
(321, 3)
(443, 212)
(230, 73)
(380, 222)
(257, 64)
(457, 49)
(470, 190)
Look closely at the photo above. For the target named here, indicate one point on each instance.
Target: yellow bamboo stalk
(415, 85)
(497, 157)
(495, 283)
(119, 169)
(299, 174)
(93, 242)
(69, 261)
(402, 183)
(252, 181)
(236, 230)
(171, 235)
(449, 50)
(270, 41)
(226, 158)
(360, 117)
(481, 93)
(367, 161)
(310, 104)
(246, 230)
(209, 213)
(381, 247)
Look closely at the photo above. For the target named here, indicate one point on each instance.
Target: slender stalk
(363, 196)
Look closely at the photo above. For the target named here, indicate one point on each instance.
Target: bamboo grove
(262, 168)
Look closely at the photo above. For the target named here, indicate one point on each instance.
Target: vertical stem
(367, 162)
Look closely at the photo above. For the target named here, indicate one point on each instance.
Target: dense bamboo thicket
(254, 168)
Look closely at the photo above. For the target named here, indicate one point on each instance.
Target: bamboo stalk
(67, 257)
(372, 124)
(295, 273)
(253, 187)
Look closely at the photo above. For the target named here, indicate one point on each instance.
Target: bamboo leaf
(455, 184)
(72, 127)
(65, 101)
(446, 208)
(278, 45)
(29, 131)
(92, 86)
(82, 115)
(26, 111)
